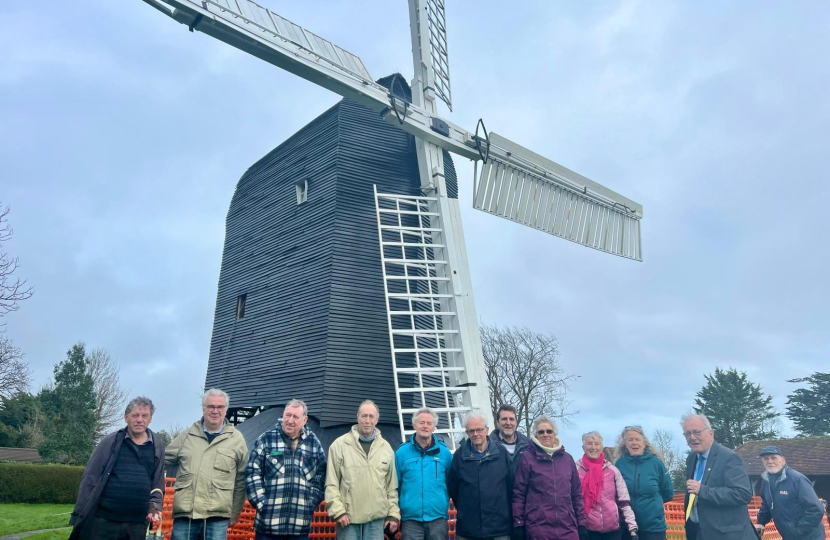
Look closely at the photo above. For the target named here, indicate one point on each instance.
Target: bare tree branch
(12, 290)
(15, 375)
(109, 395)
(523, 370)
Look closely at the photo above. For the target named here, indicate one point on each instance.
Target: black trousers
(645, 535)
(96, 528)
(610, 535)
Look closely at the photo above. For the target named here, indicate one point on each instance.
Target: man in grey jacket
(122, 487)
(788, 498)
(210, 458)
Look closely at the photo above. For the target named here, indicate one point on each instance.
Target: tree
(21, 421)
(14, 373)
(109, 395)
(69, 407)
(13, 290)
(809, 408)
(738, 410)
(673, 459)
(523, 370)
(169, 433)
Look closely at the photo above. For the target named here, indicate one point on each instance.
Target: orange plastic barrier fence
(324, 528)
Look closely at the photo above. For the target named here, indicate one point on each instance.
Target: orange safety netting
(322, 527)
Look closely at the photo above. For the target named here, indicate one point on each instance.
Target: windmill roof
(807, 455)
(29, 455)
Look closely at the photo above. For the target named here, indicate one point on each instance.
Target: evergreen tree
(21, 421)
(809, 408)
(69, 407)
(738, 410)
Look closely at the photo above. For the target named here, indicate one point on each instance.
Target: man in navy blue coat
(789, 499)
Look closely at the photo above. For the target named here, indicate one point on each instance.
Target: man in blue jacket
(789, 499)
(422, 464)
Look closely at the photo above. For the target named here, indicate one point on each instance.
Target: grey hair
(621, 450)
(368, 402)
(425, 410)
(544, 420)
(297, 403)
(474, 415)
(216, 392)
(695, 416)
(592, 434)
(140, 401)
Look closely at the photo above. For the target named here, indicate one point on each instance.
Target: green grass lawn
(31, 517)
(59, 534)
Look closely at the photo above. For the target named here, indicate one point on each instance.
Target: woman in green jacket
(648, 482)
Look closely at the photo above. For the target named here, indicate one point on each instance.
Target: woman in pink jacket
(603, 492)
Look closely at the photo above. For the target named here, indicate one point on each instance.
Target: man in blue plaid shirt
(286, 476)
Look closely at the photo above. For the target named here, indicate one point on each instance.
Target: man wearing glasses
(210, 479)
(480, 484)
(717, 486)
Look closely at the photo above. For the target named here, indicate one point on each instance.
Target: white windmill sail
(524, 187)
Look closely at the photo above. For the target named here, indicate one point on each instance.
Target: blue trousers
(199, 529)
(363, 531)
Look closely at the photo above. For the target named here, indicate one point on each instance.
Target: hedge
(34, 483)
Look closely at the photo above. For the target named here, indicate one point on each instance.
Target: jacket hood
(765, 475)
(539, 453)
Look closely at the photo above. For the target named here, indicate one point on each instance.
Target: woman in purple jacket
(604, 493)
(547, 494)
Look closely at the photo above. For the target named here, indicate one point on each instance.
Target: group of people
(504, 485)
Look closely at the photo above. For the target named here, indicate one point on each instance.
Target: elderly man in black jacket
(788, 498)
(480, 484)
(122, 487)
(718, 488)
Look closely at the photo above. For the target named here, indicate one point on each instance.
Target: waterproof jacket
(284, 485)
(210, 479)
(547, 495)
(614, 499)
(422, 480)
(793, 504)
(97, 472)
(480, 490)
(363, 486)
(649, 486)
(522, 444)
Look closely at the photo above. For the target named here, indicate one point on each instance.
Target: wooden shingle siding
(315, 317)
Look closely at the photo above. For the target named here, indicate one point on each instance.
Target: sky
(122, 136)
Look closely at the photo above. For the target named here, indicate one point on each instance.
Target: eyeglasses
(215, 407)
(476, 431)
(635, 428)
(695, 432)
(545, 432)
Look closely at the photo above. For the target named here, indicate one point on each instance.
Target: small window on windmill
(302, 191)
(240, 306)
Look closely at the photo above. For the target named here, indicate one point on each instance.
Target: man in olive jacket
(361, 482)
(210, 480)
(122, 487)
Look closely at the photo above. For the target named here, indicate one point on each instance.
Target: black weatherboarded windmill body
(345, 272)
(300, 310)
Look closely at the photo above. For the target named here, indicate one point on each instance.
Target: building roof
(808, 455)
(28, 455)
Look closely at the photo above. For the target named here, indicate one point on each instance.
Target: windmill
(431, 322)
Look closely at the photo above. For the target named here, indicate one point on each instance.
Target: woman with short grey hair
(604, 492)
(647, 480)
(547, 494)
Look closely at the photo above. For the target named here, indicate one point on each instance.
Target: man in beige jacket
(361, 483)
(210, 480)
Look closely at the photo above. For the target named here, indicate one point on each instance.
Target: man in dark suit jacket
(718, 488)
